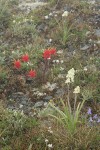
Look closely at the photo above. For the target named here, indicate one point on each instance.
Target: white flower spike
(70, 75)
(77, 90)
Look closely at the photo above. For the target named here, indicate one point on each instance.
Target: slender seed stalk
(68, 101)
(75, 102)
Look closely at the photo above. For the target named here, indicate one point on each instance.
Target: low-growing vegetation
(49, 75)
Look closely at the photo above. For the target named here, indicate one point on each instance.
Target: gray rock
(47, 98)
(39, 104)
(97, 32)
(47, 111)
(23, 102)
(11, 107)
(28, 6)
(67, 8)
(85, 47)
(59, 93)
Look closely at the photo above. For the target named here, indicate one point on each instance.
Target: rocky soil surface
(21, 101)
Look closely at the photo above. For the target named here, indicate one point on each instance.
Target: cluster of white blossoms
(58, 61)
(70, 79)
(49, 145)
(77, 90)
(70, 76)
(49, 130)
(46, 140)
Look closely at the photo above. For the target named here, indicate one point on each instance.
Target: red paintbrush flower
(32, 73)
(46, 54)
(17, 64)
(53, 51)
(25, 58)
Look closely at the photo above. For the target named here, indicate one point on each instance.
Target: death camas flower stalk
(70, 76)
(69, 79)
(69, 117)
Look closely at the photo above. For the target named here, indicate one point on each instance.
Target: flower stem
(68, 101)
(75, 102)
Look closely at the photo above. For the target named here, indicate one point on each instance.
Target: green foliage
(23, 29)
(12, 124)
(23, 33)
(5, 14)
(67, 118)
(63, 33)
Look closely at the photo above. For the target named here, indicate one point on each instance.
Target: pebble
(85, 47)
(97, 33)
(39, 104)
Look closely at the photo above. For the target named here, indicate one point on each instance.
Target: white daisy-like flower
(57, 61)
(20, 106)
(51, 14)
(62, 61)
(85, 69)
(50, 40)
(50, 146)
(14, 21)
(65, 14)
(46, 17)
(46, 140)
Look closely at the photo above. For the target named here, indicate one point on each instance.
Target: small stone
(20, 106)
(39, 104)
(47, 98)
(11, 107)
(24, 102)
(59, 93)
(97, 32)
(85, 47)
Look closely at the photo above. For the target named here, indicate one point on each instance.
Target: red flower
(32, 73)
(53, 51)
(25, 58)
(46, 54)
(17, 64)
